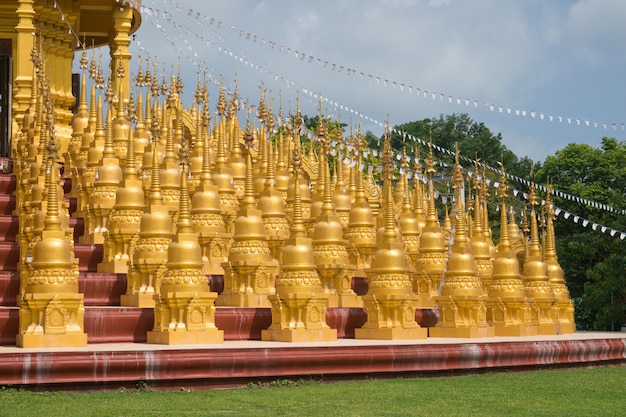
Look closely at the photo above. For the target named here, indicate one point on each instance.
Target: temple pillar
(22, 65)
(120, 54)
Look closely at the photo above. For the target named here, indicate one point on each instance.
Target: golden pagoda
(389, 301)
(433, 254)
(270, 201)
(299, 305)
(481, 245)
(556, 276)
(361, 233)
(125, 216)
(535, 276)
(462, 304)
(148, 248)
(250, 271)
(184, 305)
(508, 306)
(329, 246)
(206, 213)
(51, 309)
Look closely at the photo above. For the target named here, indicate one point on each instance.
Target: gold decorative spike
(121, 126)
(94, 157)
(80, 122)
(389, 301)
(169, 167)
(299, 305)
(341, 198)
(305, 190)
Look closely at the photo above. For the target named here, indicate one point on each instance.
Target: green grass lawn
(565, 392)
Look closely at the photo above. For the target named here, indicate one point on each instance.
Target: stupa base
(213, 268)
(115, 266)
(345, 301)
(425, 301)
(464, 332)
(521, 330)
(567, 328)
(183, 337)
(394, 333)
(548, 329)
(243, 300)
(143, 300)
(30, 340)
(299, 335)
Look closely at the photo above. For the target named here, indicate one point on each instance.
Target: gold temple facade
(173, 196)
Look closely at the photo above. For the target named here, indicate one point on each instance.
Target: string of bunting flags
(312, 96)
(70, 29)
(200, 18)
(291, 85)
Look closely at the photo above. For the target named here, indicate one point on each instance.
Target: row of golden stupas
(175, 195)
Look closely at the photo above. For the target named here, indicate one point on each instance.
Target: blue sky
(548, 58)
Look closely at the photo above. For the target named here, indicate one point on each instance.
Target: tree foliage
(594, 262)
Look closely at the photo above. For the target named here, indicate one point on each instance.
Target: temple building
(133, 216)
(60, 28)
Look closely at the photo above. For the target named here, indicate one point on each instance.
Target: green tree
(593, 261)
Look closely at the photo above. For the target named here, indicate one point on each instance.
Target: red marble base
(235, 364)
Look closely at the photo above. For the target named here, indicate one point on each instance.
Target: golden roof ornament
(84, 61)
(92, 64)
(99, 78)
(206, 216)
(121, 70)
(179, 81)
